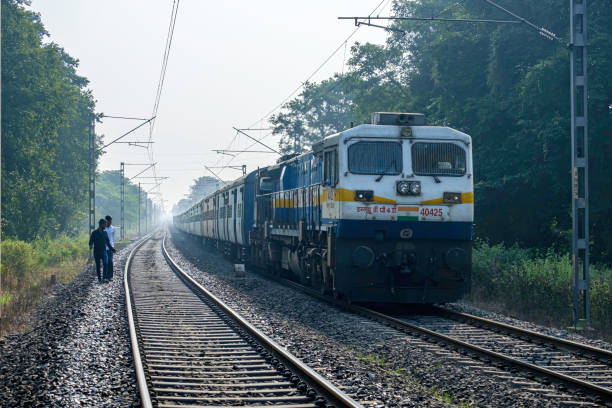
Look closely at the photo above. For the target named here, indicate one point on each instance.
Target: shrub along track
(191, 349)
(579, 370)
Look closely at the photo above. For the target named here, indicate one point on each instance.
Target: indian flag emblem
(408, 213)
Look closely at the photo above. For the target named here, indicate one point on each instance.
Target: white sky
(230, 64)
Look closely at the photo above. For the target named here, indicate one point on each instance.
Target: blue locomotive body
(380, 212)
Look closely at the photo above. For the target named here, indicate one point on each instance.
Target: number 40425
(432, 212)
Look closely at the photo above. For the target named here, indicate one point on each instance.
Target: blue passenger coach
(381, 212)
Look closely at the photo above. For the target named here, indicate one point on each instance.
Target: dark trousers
(101, 258)
(109, 265)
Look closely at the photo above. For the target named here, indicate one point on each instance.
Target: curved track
(190, 349)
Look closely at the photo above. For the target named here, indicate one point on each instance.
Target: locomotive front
(398, 196)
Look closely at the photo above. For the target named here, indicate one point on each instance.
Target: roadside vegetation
(108, 201)
(30, 269)
(537, 285)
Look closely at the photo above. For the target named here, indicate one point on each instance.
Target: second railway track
(190, 349)
(576, 368)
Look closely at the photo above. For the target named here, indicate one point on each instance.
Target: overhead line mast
(577, 47)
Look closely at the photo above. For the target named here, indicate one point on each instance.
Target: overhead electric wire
(302, 84)
(162, 77)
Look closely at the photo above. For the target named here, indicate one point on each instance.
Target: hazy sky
(231, 63)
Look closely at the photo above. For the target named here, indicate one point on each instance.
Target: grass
(380, 361)
(442, 396)
(30, 269)
(538, 286)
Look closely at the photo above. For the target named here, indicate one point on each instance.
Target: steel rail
(323, 387)
(568, 345)
(585, 386)
(143, 388)
(504, 360)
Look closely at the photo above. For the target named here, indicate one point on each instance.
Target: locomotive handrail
(465, 142)
(291, 189)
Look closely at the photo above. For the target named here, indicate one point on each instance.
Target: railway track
(576, 369)
(190, 349)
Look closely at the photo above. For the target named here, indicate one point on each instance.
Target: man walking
(110, 231)
(99, 241)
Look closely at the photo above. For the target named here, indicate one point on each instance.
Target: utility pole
(92, 167)
(580, 161)
(139, 210)
(92, 175)
(122, 175)
(579, 138)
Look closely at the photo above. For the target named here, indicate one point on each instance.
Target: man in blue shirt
(99, 241)
(110, 231)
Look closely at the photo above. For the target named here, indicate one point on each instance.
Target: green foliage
(51, 252)
(29, 269)
(108, 201)
(46, 112)
(18, 262)
(537, 284)
(201, 187)
(23, 263)
(504, 85)
(442, 395)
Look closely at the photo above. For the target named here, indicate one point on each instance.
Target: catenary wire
(160, 83)
(297, 89)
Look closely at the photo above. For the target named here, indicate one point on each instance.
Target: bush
(18, 264)
(23, 263)
(27, 269)
(62, 249)
(537, 285)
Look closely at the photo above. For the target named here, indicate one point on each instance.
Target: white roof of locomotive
(387, 131)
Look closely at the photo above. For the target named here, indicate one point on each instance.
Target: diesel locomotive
(380, 212)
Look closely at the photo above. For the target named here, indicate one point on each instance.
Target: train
(380, 212)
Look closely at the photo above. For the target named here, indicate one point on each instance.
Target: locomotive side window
(375, 158)
(330, 168)
(438, 159)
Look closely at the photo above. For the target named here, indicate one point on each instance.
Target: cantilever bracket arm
(255, 140)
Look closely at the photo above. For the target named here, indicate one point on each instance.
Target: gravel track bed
(375, 364)
(466, 307)
(78, 353)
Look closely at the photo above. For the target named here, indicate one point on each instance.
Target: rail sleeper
(193, 353)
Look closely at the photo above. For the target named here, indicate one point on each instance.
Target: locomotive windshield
(438, 159)
(375, 158)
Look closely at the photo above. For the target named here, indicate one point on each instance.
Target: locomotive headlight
(403, 187)
(408, 187)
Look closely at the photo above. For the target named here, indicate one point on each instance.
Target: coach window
(438, 159)
(375, 158)
(330, 167)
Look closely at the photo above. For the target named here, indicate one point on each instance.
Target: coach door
(226, 211)
(216, 217)
(234, 215)
(231, 216)
(239, 214)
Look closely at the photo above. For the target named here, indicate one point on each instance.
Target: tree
(201, 187)
(46, 111)
(108, 201)
(502, 84)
